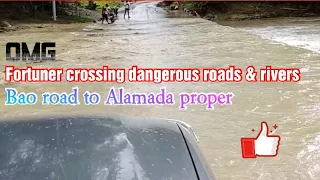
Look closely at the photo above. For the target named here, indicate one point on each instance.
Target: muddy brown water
(154, 38)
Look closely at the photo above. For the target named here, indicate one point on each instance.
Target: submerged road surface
(154, 38)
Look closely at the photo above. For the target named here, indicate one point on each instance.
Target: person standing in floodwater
(105, 12)
(126, 9)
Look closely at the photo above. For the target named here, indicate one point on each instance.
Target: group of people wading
(108, 14)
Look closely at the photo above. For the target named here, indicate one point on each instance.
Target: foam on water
(307, 37)
(310, 156)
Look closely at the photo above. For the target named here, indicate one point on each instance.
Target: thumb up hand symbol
(263, 145)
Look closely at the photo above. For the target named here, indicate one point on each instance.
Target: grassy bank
(250, 10)
(40, 12)
(15, 16)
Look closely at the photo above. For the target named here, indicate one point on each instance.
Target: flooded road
(153, 38)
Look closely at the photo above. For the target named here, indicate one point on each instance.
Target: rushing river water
(153, 38)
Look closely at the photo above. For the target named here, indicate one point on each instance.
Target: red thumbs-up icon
(263, 145)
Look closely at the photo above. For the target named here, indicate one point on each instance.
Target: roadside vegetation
(246, 10)
(20, 15)
(42, 11)
(99, 4)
